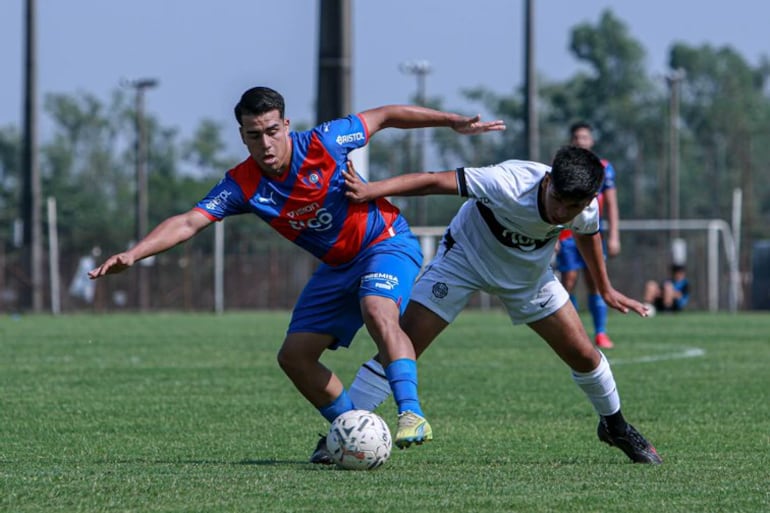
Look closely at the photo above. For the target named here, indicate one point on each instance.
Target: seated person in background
(671, 295)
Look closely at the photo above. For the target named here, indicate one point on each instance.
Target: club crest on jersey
(312, 179)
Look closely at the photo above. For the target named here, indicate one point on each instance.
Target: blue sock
(598, 309)
(337, 407)
(402, 376)
(573, 298)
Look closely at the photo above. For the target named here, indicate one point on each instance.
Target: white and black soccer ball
(359, 440)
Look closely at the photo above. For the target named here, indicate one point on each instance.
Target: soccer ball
(359, 440)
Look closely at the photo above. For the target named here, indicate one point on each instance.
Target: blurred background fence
(271, 275)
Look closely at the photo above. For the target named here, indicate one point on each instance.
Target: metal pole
(219, 267)
(53, 257)
(31, 194)
(531, 128)
(674, 79)
(140, 86)
(420, 69)
(333, 98)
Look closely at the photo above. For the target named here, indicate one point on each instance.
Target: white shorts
(447, 284)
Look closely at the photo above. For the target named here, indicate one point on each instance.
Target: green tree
(725, 114)
(617, 97)
(204, 153)
(10, 181)
(82, 168)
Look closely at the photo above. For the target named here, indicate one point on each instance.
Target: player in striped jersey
(293, 181)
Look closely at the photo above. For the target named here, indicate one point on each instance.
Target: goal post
(715, 230)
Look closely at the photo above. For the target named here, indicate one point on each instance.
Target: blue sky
(205, 53)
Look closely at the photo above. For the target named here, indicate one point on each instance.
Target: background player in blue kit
(671, 294)
(370, 258)
(568, 259)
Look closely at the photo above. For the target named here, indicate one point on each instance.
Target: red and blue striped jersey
(307, 204)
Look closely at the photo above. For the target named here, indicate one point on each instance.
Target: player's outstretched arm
(622, 303)
(166, 235)
(590, 247)
(412, 184)
(413, 116)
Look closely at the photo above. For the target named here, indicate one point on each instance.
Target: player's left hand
(357, 189)
(474, 125)
(624, 304)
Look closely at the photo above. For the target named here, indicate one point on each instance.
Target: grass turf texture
(175, 412)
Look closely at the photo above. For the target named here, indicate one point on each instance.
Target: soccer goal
(711, 258)
(712, 253)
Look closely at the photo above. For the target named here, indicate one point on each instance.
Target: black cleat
(321, 455)
(631, 442)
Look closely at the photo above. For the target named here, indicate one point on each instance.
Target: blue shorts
(330, 303)
(568, 257)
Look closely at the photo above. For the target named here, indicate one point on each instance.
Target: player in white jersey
(501, 242)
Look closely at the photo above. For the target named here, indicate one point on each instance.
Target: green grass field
(175, 412)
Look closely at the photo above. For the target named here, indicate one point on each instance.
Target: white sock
(371, 387)
(599, 386)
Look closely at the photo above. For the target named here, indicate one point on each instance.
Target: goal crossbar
(716, 230)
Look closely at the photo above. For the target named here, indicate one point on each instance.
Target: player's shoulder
(245, 177)
(608, 167)
(524, 172)
(243, 171)
(351, 125)
(515, 168)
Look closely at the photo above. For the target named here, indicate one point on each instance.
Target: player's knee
(380, 318)
(290, 357)
(284, 358)
(584, 358)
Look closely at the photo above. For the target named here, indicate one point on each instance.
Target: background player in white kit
(501, 241)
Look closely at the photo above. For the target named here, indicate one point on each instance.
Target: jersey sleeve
(499, 183)
(341, 136)
(224, 199)
(609, 176)
(587, 222)
(489, 182)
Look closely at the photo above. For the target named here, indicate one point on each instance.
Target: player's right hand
(115, 264)
(474, 125)
(357, 189)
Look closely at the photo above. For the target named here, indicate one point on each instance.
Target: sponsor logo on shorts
(440, 290)
(385, 281)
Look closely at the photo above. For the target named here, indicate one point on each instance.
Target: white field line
(687, 352)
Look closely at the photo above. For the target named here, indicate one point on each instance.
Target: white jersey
(501, 227)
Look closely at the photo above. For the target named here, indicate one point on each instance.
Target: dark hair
(257, 101)
(576, 173)
(580, 125)
(675, 268)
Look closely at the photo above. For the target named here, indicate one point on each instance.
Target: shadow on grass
(139, 461)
